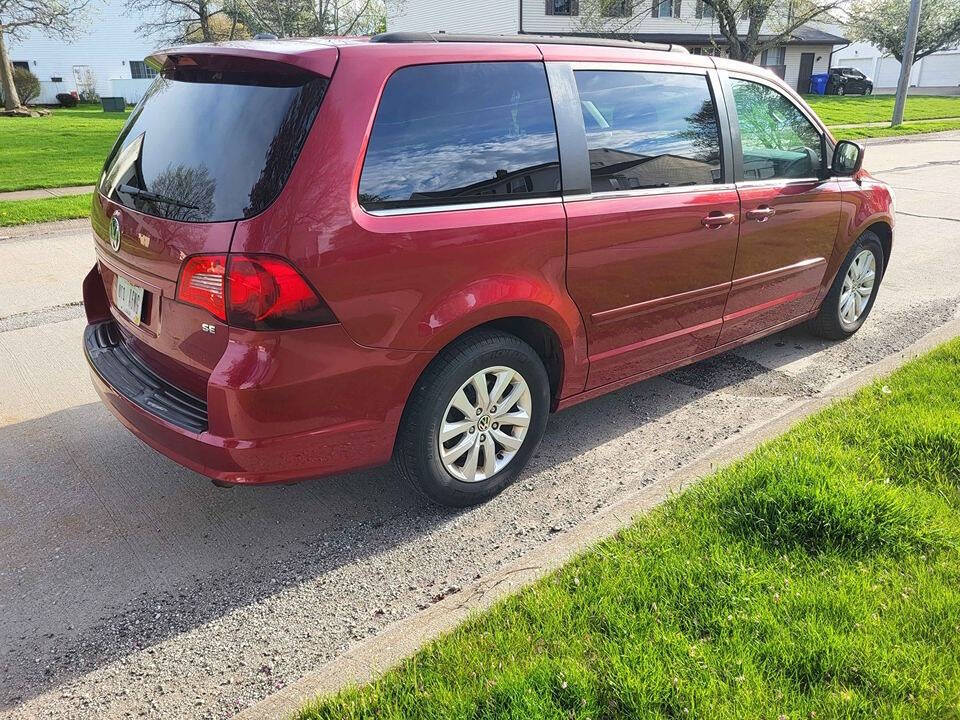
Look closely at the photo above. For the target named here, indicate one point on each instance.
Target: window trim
(550, 9)
(553, 198)
(147, 69)
(734, 128)
(574, 157)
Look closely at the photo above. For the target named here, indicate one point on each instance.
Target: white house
(685, 22)
(939, 72)
(109, 53)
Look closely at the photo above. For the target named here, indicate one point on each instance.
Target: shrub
(67, 99)
(27, 84)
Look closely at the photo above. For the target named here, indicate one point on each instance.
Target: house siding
(498, 17)
(107, 45)
(821, 62)
(536, 21)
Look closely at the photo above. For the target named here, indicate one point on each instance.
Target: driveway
(130, 586)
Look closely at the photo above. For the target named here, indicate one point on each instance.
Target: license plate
(128, 298)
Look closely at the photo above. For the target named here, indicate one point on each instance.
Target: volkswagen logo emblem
(115, 233)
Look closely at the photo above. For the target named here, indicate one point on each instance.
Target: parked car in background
(848, 81)
(315, 255)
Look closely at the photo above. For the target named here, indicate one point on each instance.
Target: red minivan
(315, 255)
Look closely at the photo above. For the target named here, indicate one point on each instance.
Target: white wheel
(485, 424)
(857, 288)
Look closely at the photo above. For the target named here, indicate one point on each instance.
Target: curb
(886, 123)
(375, 655)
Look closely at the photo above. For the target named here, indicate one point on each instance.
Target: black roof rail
(424, 37)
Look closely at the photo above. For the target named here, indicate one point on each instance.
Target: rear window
(462, 133)
(205, 146)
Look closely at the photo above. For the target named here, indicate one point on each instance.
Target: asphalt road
(130, 586)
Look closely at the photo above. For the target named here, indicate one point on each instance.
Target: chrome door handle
(717, 219)
(761, 214)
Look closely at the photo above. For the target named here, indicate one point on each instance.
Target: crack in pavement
(932, 163)
(928, 217)
(45, 316)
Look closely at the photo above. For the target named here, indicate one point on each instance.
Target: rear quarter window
(462, 133)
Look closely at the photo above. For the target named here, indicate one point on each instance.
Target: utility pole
(909, 47)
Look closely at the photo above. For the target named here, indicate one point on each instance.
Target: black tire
(416, 453)
(841, 90)
(868, 90)
(828, 323)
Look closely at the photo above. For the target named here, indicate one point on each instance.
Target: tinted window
(649, 130)
(778, 140)
(462, 132)
(205, 146)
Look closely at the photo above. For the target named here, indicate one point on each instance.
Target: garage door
(864, 65)
(889, 74)
(941, 70)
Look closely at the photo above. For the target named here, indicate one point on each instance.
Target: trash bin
(818, 83)
(113, 104)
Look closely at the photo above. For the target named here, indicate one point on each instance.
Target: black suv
(848, 81)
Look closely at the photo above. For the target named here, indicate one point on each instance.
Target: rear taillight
(256, 292)
(201, 283)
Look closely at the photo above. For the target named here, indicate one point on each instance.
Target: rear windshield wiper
(147, 195)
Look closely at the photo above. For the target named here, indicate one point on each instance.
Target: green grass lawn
(817, 578)
(846, 109)
(21, 212)
(65, 148)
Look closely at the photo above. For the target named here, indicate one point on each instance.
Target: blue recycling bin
(818, 83)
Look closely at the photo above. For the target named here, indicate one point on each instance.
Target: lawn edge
(372, 657)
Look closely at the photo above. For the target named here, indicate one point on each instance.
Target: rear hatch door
(212, 142)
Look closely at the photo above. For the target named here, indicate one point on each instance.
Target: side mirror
(847, 158)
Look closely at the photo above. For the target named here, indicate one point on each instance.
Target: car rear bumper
(251, 393)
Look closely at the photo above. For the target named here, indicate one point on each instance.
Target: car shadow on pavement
(109, 548)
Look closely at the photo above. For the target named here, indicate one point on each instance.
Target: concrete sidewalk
(42, 193)
(886, 123)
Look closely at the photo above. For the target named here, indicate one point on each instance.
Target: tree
(748, 27)
(187, 21)
(884, 23)
(55, 18)
(305, 18)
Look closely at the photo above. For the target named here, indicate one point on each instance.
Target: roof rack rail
(424, 37)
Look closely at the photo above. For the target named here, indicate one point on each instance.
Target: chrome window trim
(638, 67)
(650, 192)
(780, 181)
(391, 212)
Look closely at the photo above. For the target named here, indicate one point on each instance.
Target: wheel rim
(485, 424)
(857, 287)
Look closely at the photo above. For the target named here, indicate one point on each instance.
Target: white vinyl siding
(498, 17)
(107, 43)
(535, 19)
(821, 62)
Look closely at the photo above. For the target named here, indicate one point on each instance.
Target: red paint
(630, 286)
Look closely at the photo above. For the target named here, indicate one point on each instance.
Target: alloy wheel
(857, 287)
(484, 424)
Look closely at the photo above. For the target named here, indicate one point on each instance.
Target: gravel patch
(211, 645)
